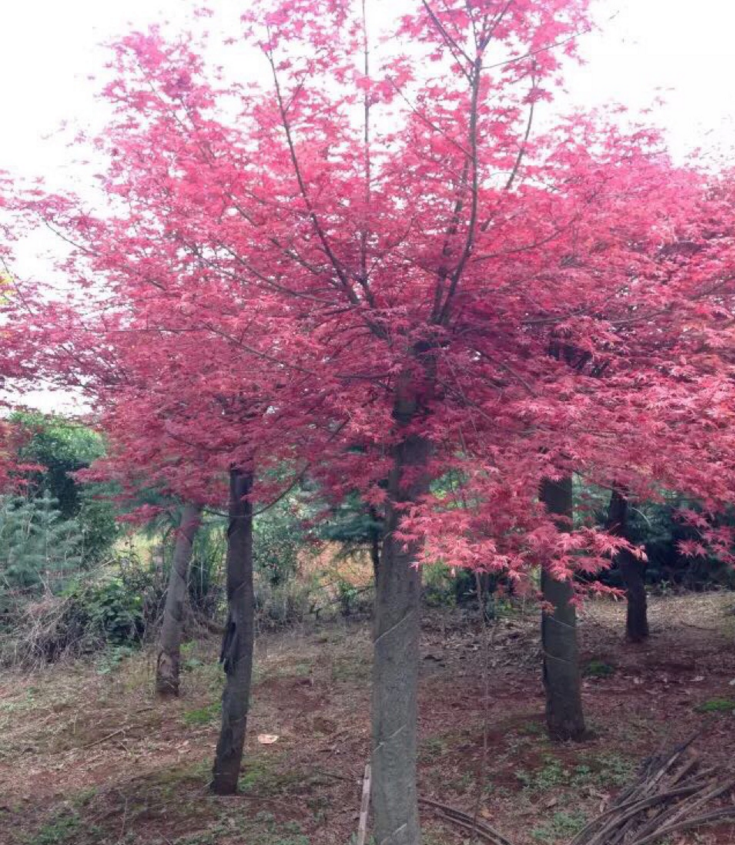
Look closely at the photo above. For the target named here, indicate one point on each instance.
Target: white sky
(48, 49)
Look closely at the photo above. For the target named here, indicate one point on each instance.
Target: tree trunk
(169, 649)
(396, 655)
(239, 637)
(562, 681)
(631, 569)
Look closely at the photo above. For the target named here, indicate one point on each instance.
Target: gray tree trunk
(239, 637)
(396, 655)
(562, 680)
(632, 571)
(169, 648)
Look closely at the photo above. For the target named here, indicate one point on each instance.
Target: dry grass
(87, 754)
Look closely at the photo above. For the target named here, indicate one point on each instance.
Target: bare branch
(536, 52)
(457, 51)
(474, 197)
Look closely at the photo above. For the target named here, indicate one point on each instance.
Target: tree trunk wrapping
(239, 637)
(375, 538)
(561, 672)
(396, 649)
(169, 649)
(632, 571)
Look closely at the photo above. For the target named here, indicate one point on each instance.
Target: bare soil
(88, 755)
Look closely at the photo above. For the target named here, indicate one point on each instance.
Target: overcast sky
(49, 49)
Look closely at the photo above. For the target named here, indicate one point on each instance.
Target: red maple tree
(418, 287)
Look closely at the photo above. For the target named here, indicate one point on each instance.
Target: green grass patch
(257, 775)
(64, 828)
(532, 728)
(597, 668)
(613, 769)
(602, 770)
(351, 669)
(432, 748)
(716, 705)
(550, 776)
(561, 826)
(203, 715)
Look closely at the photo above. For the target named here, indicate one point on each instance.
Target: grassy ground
(87, 755)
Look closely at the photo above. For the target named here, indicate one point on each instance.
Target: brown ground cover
(87, 755)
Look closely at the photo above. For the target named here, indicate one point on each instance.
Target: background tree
(57, 449)
(632, 571)
(169, 654)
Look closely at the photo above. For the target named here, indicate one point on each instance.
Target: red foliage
(13, 345)
(278, 269)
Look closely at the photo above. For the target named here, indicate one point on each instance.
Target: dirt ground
(87, 755)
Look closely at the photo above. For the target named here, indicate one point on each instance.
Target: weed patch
(602, 770)
(59, 831)
(598, 669)
(716, 705)
(203, 715)
(353, 669)
(561, 826)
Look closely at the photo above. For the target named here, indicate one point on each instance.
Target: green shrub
(352, 599)
(113, 610)
(98, 526)
(39, 550)
(277, 540)
(439, 587)
(58, 448)
(206, 569)
(281, 605)
(107, 610)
